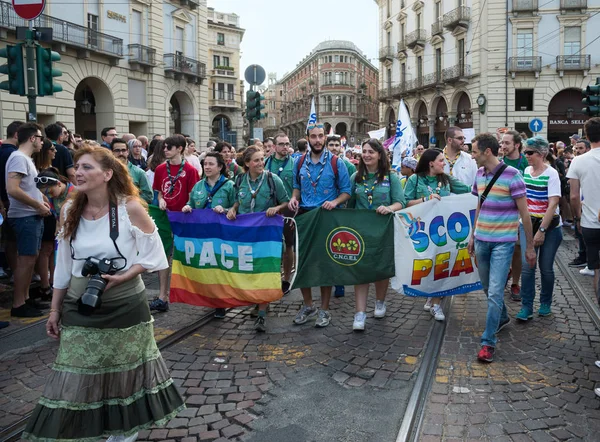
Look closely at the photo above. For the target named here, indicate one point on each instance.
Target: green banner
(344, 247)
(164, 227)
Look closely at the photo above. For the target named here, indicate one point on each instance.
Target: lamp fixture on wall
(569, 113)
(86, 106)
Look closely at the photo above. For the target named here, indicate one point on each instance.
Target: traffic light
(45, 72)
(592, 99)
(14, 69)
(254, 106)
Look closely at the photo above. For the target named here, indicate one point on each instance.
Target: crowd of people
(56, 188)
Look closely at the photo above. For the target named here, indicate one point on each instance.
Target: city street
(299, 383)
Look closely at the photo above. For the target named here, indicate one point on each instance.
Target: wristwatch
(542, 229)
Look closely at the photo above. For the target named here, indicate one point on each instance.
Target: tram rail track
(13, 432)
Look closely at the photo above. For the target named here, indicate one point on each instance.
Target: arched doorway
(422, 124)
(181, 114)
(94, 108)
(464, 114)
(341, 129)
(441, 122)
(220, 127)
(565, 115)
(327, 128)
(391, 123)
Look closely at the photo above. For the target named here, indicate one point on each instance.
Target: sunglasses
(315, 126)
(41, 137)
(119, 150)
(529, 152)
(44, 180)
(166, 146)
(284, 144)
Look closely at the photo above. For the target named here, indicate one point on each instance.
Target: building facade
(137, 65)
(453, 66)
(344, 84)
(273, 110)
(226, 90)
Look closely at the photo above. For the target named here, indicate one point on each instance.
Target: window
(344, 103)
(338, 103)
(572, 45)
(179, 40)
(336, 58)
(338, 78)
(389, 8)
(438, 64)
(230, 92)
(403, 73)
(402, 31)
(419, 67)
(418, 18)
(92, 23)
(219, 91)
(525, 43)
(216, 61)
(226, 61)
(220, 38)
(389, 78)
(329, 104)
(136, 27)
(388, 39)
(461, 55)
(523, 99)
(330, 59)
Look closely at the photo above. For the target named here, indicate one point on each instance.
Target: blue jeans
(493, 262)
(545, 257)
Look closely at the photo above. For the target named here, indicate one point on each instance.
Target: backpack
(334, 166)
(270, 182)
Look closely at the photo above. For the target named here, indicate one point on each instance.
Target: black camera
(91, 298)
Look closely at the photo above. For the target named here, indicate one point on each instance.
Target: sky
(280, 33)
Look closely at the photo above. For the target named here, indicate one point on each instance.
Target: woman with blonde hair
(109, 379)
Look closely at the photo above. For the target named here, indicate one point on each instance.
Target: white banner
(430, 242)
(377, 134)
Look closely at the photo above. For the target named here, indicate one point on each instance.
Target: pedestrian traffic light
(14, 69)
(254, 106)
(45, 72)
(592, 99)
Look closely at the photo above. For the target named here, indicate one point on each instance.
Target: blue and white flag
(312, 118)
(405, 138)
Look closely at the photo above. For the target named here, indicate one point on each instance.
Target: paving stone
(209, 435)
(232, 430)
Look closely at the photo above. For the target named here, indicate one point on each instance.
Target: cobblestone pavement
(540, 385)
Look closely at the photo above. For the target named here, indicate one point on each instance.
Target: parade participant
(107, 135)
(301, 146)
(407, 169)
(584, 179)
(543, 193)
(258, 191)
(107, 351)
(431, 182)
(320, 180)
(55, 187)
(418, 152)
(511, 146)
(228, 152)
(502, 199)
(145, 145)
(63, 160)
(282, 164)
(174, 181)
(267, 146)
(135, 154)
(155, 160)
(581, 147)
(43, 158)
(121, 152)
(458, 163)
(374, 188)
(191, 157)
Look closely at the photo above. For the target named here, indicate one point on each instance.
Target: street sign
(29, 9)
(433, 140)
(254, 74)
(258, 133)
(536, 125)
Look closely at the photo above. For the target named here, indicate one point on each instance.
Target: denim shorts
(28, 231)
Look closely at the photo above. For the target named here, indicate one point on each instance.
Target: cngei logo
(345, 246)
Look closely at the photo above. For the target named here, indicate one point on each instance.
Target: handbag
(536, 223)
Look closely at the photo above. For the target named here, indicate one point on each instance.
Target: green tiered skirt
(109, 377)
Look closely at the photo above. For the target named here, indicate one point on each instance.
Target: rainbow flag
(220, 263)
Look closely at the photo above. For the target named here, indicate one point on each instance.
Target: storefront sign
(116, 16)
(568, 122)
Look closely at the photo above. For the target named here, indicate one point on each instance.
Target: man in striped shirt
(496, 227)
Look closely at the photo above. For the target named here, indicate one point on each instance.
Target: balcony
(385, 93)
(223, 99)
(386, 53)
(573, 63)
(433, 80)
(178, 66)
(66, 34)
(416, 38)
(525, 64)
(457, 18)
(223, 71)
(524, 6)
(415, 84)
(457, 74)
(401, 48)
(570, 5)
(142, 56)
(399, 91)
(437, 28)
(192, 4)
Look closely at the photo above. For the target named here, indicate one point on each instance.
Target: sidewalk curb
(592, 308)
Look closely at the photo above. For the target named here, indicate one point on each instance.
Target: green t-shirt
(234, 170)
(385, 193)
(351, 167)
(263, 194)
(224, 196)
(418, 186)
(284, 169)
(139, 178)
(520, 163)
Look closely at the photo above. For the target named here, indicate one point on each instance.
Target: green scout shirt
(263, 197)
(351, 167)
(520, 163)
(139, 178)
(386, 193)
(422, 186)
(224, 197)
(234, 170)
(274, 165)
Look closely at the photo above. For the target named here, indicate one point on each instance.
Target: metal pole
(30, 55)
(251, 121)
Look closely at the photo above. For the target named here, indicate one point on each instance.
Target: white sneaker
(359, 321)
(437, 312)
(597, 364)
(427, 306)
(380, 309)
(597, 391)
(586, 272)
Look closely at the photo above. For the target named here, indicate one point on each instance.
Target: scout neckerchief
(254, 192)
(281, 168)
(368, 191)
(314, 183)
(450, 162)
(211, 191)
(173, 180)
